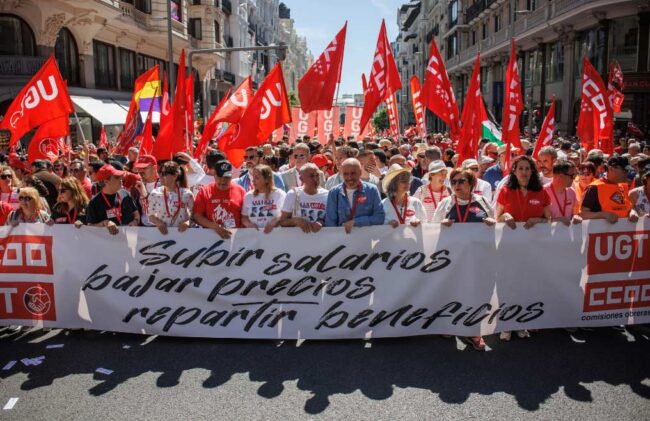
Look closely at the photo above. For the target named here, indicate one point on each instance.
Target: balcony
(476, 9)
(229, 77)
(226, 6)
(20, 65)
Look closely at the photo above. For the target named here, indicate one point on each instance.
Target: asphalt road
(601, 374)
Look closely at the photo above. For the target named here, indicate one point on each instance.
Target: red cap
(108, 171)
(145, 161)
(320, 160)
(130, 179)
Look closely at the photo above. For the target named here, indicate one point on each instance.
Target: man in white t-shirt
(482, 187)
(304, 207)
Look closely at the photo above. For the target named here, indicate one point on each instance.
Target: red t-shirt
(221, 206)
(523, 207)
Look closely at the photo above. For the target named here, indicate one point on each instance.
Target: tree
(294, 101)
(380, 120)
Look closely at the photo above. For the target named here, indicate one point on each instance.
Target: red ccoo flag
(268, 110)
(316, 88)
(45, 143)
(437, 93)
(514, 103)
(595, 94)
(548, 128)
(472, 116)
(384, 77)
(418, 110)
(43, 99)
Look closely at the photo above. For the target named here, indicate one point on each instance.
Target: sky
(320, 20)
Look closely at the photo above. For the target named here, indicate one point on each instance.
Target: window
(195, 29)
(485, 30)
(16, 37)
(104, 57)
(497, 22)
(217, 32)
(531, 5)
(127, 69)
(453, 13)
(144, 63)
(590, 43)
(625, 42)
(452, 46)
(554, 62)
(143, 6)
(67, 57)
(177, 10)
(473, 36)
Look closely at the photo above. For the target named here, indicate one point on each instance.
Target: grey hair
(433, 153)
(391, 189)
(309, 166)
(548, 150)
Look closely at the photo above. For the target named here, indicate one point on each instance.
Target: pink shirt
(562, 204)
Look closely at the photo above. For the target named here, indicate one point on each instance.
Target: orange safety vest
(613, 197)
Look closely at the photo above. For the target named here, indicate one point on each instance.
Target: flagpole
(79, 125)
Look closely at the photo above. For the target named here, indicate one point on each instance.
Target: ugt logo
(27, 301)
(26, 254)
(33, 97)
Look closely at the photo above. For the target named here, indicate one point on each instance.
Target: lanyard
(178, 208)
(116, 211)
(563, 208)
(74, 218)
(463, 218)
(356, 202)
(401, 218)
(442, 195)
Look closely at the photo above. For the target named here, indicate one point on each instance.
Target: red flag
(44, 98)
(268, 110)
(316, 88)
(418, 110)
(594, 93)
(437, 93)
(384, 77)
(328, 124)
(586, 126)
(189, 112)
(172, 137)
(234, 108)
(210, 129)
(133, 124)
(472, 116)
(165, 108)
(352, 126)
(393, 118)
(302, 123)
(615, 87)
(364, 82)
(514, 103)
(146, 147)
(548, 128)
(103, 141)
(45, 142)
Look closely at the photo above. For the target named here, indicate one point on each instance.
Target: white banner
(376, 282)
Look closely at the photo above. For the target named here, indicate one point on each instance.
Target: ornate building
(299, 58)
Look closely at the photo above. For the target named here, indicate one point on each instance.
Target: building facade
(551, 38)
(299, 58)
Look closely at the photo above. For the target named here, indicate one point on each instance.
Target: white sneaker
(523, 334)
(505, 336)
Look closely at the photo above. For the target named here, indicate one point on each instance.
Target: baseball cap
(145, 161)
(108, 171)
(437, 166)
(620, 162)
(223, 169)
(320, 160)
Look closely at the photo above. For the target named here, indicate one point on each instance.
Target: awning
(108, 111)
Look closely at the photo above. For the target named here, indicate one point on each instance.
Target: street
(597, 374)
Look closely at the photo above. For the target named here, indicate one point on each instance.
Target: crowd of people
(344, 183)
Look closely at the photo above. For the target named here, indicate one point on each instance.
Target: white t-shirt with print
(310, 206)
(260, 209)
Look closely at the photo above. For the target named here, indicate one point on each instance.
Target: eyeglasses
(459, 181)
(301, 156)
(250, 157)
(6, 176)
(25, 198)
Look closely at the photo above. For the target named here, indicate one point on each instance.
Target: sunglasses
(76, 170)
(250, 157)
(459, 181)
(6, 176)
(25, 198)
(300, 156)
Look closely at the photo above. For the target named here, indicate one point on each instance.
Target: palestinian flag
(491, 130)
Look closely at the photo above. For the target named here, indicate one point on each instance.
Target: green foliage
(380, 120)
(293, 99)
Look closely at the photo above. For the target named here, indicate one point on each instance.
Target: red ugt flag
(268, 110)
(548, 128)
(437, 93)
(472, 116)
(44, 98)
(316, 88)
(384, 78)
(514, 103)
(172, 137)
(46, 140)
